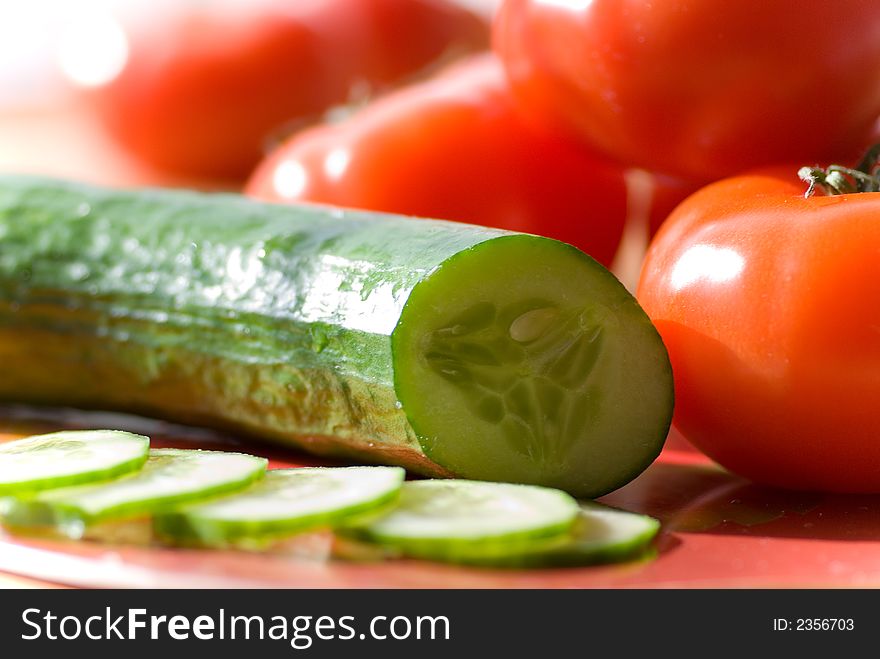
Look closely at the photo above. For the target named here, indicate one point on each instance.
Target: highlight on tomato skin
(698, 88)
(206, 85)
(455, 147)
(764, 299)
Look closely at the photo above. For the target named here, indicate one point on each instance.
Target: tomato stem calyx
(836, 179)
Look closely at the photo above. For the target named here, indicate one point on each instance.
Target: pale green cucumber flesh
(600, 535)
(68, 458)
(549, 374)
(284, 502)
(457, 520)
(170, 477)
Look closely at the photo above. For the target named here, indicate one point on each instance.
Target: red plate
(718, 531)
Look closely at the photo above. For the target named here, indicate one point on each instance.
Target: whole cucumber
(445, 348)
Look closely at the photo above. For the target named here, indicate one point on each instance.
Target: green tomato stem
(836, 179)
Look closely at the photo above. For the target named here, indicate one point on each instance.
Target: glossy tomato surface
(767, 303)
(206, 85)
(455, 147)
(699, 88)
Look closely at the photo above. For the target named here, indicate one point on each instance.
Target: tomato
(766, 301)
(699, 88)
(206, 84)
(455, 147)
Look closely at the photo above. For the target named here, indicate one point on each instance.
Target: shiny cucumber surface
(446, 348)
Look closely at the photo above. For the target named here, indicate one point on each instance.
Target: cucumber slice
(169, 477)
(286, 501)
(66, 458)
(600, 535)
(459, 520)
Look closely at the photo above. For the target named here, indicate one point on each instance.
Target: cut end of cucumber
(538, 367)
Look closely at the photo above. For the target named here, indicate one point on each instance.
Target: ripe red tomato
(206, 84)
(767, 304)
(699, 88)
(455, 147)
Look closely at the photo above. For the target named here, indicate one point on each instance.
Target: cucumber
(449, 349)
(601, 534)
(169, 477)
(286, 501)
(60, 459)
(465, 521)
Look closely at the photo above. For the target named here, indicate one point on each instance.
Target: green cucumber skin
(211, 309)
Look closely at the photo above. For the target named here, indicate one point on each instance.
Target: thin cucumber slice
(601, 534)
(458, 520)
(169, 477)
(286, 501)
(73, 457)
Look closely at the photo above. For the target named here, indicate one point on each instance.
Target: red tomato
(455, 148)
(699, 88)
(767, 304)
(206, 84)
